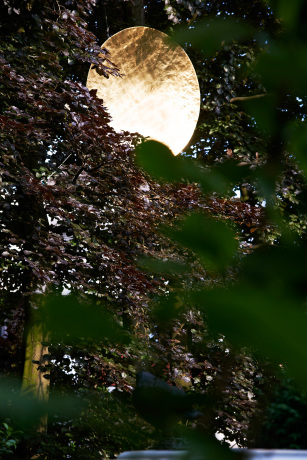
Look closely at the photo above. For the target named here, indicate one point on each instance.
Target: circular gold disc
(158, 95)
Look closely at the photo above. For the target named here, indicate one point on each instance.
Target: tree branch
(77, 174)
(248, 98)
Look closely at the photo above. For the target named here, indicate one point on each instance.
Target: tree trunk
(35, 381)
(137, 8)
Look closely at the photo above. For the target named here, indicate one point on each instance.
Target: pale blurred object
(247, 454)
(158, 95)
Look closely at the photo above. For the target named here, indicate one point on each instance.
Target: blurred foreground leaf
(213, 241)
(204, 447)
(297, 137)
(167, 267)
(167, 308)
(158, 160)
(283, 67)
(210, 35)
(263, 111)
(264, 311)
(289, 12)
(67, 319)
(27, 409)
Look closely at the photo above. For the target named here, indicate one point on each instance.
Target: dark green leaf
(68, 319)
(211, 240)
(168, 267)
(210, 35)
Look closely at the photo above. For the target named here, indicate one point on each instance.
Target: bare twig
(248, 98)
(77, 174)
(192, 19)
(86, 170)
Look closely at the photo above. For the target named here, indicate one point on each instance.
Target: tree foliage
(264, 307)
(150, 286)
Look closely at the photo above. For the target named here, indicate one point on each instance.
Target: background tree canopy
(116, 256)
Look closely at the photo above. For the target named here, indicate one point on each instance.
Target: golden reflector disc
(158, 96)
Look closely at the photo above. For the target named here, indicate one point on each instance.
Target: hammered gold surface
(158, 96)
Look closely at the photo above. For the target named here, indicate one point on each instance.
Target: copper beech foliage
(78, 214)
